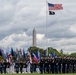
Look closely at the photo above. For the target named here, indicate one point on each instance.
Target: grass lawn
(39, 74)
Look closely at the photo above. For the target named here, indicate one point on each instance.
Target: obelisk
(34, 37)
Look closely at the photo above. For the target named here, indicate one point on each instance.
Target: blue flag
(3, 54)
(24, 55)
(12, 52)
(38, 55)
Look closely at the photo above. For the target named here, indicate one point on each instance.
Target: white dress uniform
(37, 69)
(24, 67)
(13, 65)
(28, 67)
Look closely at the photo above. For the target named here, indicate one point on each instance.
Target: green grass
(39, 74)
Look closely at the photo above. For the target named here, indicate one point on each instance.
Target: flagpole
(46, 29)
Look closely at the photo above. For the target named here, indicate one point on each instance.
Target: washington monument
(34, 37)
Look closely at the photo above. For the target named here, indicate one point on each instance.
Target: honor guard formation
(46, 65)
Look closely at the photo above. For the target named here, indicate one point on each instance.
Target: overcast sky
(18, 18)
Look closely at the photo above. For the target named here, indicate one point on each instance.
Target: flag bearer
(24, 67)
(8, 67)
(13, 65)
(17, 67)
(28, 66)
(21, 66)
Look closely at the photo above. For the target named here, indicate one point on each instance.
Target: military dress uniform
(37, 68)
(41, 65)
(13, 66)
(17, 67)
(1, 67)
(28, 66)
(4, 66)
(24, 67)
(8, 67)
(52, 65)
(21, 67)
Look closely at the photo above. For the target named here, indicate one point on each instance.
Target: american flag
(55, 6)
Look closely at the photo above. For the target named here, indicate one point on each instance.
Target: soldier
(8, 67)
(13, 65)
(21, 66)
(41, 65)
(63, 64)
(74, 62)
(1, 66)
(17, 67)
(24, 67)
(56, 64)
(52, 64)
(28, 66)
(60, 64)
(45, 65)
(37, 68)
(4, 66)
(50, 61)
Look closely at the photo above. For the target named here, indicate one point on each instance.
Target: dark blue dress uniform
(21, 67)
(48, 64)
(63, 65)
(52, 65)
(45, 65)
(41, 65)
(56, 65)
(60, 65)
(1, 67)
(17, 67)
(4, 67)
(24, 65)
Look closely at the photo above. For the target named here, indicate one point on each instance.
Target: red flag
(29, 56)
(34, 58)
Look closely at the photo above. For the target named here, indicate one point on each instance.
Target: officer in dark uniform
(4, 66)
(52, 64)
(50, 61)
(68, 64)
(73, 63)
(45, 65)
(63, 64)
(60, 64)
(48, 64)
(17, 67)
(21, 66)
(24, 66)
(56, 65)
(41, 65)
(1, 66)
